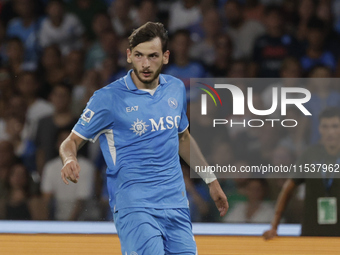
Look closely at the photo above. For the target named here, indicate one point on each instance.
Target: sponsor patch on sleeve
(87, 115)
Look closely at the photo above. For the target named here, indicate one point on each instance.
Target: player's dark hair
(329, 112)
(148, 32)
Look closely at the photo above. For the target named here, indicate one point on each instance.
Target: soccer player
(141, 124)
(321, 209)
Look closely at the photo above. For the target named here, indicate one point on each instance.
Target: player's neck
(143, 85)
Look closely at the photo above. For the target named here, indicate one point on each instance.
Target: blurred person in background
(273, 47)
(28, 85)
(6, 90)
(2, 42)
(306, 10)
(101, 23)
(26, 27)
(82, 93)
(70, 200)
(73, 65)
(19, 203)
(204, 50)
(146, 11)
(184, 14)
(289, 72)
(255, 209)
(223, 49)
(243, 32)
(15, 60)
(60, 28)
(316, 53)
(51, 69)
(122, 14)
(323, 95)
(181, 66)
(317, 219)
(7, 160)
(238, 69)
(47, 130)
(106, 47)
(294, 139)
(86, 10)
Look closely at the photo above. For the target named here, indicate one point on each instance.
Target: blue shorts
(148, 231)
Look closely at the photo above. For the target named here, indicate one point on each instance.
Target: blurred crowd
(54, 54)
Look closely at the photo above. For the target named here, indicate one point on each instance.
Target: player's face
(147, 60)
(330, 131)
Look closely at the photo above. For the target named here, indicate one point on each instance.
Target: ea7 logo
(132, 108)
(238, 100)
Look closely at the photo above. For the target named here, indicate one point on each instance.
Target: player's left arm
(187, 143)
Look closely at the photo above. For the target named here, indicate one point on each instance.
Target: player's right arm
(281, 203)
(68, 153)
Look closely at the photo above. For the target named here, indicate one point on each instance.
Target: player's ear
(128, 55)
(166, 57)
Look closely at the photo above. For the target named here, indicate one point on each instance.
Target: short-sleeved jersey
(138, 134)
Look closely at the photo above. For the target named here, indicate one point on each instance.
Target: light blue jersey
(138, 135)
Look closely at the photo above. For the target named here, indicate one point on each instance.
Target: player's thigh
(179, 238)
(139, 233)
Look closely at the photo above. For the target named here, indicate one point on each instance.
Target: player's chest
(145, 113)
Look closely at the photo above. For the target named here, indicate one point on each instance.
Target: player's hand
(70, 171)
(219, 197)
(269, 234)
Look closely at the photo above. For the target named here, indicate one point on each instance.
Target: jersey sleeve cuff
(183, 129)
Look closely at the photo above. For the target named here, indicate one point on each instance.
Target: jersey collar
(131, 85)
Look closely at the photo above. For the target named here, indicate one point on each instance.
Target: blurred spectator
(74, 67)
(223, 56)
(60, 28)
(28, 85)
(83, 92)
(15, 60)
(289, 72)
(69, 200)
(7, 159)
(184, 14)
(256, 209)
(101, 23)
(147, 11)
(323, 95)
(110, 71)
(315, 52)
(86, 10)
(181, 66)
(238, 69)
(51, 69)
(6, 90)
(205, 50)
(122, 15)
(19, 204)
(270, 49)
(253, 10)
(26, 27)
(306, 10)
(243, 32)
(48, 126)
(2, 43)
(24, 148)
(105, 47)
(294, 137)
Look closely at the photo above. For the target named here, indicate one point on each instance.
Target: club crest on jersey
(172, 103)
(87, 115)
(139, 127)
